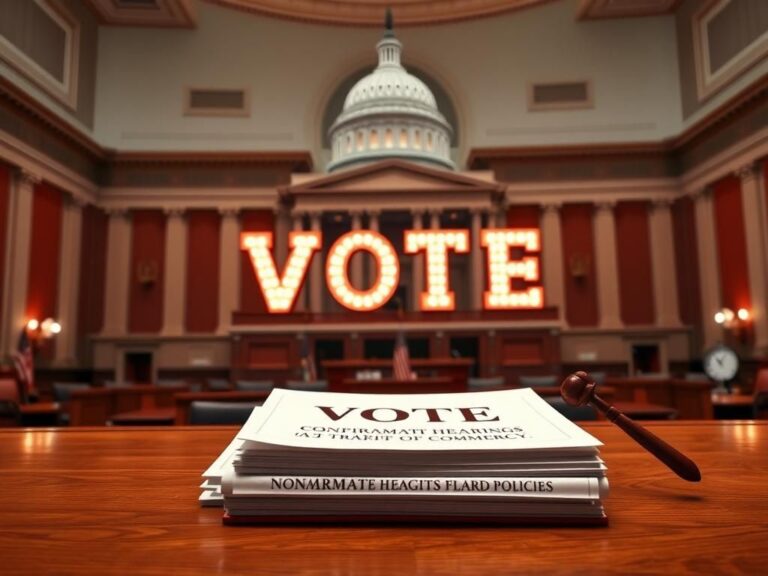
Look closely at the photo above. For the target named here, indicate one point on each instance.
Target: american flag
(401, 361)
(308, 361)
(25, 365)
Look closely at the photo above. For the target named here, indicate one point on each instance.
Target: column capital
(175, 211)
(661, 204)
(605, 205)
(376, 212)
(746, 172)
(315, 214)
(418, 211)
(28, 177)
(76, 201)
(704, 193)
(478, 210)
(229, 212)
(117, 211)
(435, 211)
(551, 207)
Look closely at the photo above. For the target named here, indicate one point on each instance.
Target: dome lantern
(390, 114)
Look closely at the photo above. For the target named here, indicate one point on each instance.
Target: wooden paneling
(731, 244)
(93, 274)
(579, 251)
(251, 298)
(634, 267)
(145, 304)
(202, 289)
(686, 261)
(44, 258)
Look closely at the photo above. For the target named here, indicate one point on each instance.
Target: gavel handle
(676, 461)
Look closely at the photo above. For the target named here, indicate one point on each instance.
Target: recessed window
(389, 140)
(403, 139)
(360, 140)
(429, 141)
(417, 139)
(373, 140)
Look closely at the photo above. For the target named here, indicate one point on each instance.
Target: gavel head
(577, 389)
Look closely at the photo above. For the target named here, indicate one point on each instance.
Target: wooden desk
(392, 386)
(457, 369)
(733, 406)
(691, 399)
(124, 501)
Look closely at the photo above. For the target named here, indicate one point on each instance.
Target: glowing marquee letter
(280, 291)
(337, 275)
(438, 295)
(502, 269)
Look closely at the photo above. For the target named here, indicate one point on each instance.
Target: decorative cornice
(371, 12)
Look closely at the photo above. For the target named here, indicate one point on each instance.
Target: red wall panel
(145, 302)
(525, 216)
(44, 252)
(579, 247)
(5, 195)
(251, 298)
(202, 303)
(687, 261)
(731, 244)
(93, 273)
(634, 266)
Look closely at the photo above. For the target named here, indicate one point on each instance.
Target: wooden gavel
(579, 389)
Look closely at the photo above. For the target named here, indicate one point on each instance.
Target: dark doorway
(138, 367)
(466, 347)
(646, 358)
(327, 349)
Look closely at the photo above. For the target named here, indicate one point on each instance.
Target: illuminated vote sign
(280, 288)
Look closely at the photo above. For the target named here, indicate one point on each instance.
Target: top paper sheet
(499, 420)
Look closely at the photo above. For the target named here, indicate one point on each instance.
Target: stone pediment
(392, 176)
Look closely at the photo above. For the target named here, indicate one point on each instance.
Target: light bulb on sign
(502, 270)
(280, 291)
(386, 264)
(435, 244)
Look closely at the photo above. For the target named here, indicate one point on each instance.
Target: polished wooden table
(124, 501)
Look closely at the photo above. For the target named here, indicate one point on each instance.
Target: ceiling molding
(601, 9)
(371, 12)
(150, 13)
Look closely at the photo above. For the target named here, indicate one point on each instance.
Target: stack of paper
(504, 456)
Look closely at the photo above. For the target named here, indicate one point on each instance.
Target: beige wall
(293, 68)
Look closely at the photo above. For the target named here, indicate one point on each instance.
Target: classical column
(476, 259)
(373, 226)
(175, 271)
(229, 267)
(69, 280)
(500, 217)
(316, 282)
(297, 225)
(754, 229)
(356, 262)
(607, 269)
(280, 240)
(373, 220)
(552, 258)
(663, 262)
(18, 239)
(417, 260)
(119, 274)
(709, 277)
(434, 219)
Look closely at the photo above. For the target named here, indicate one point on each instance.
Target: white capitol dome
(390, 114)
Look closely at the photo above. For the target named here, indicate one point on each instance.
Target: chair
(62, 393)
(166, 383)
(760, 401)
(479, 384)
(313, 385)
(573, 413)
(218, 384)
(254, 385)
(201, 413)
(538, 381)
(9, 402)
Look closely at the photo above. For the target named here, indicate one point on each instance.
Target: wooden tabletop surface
(124, 501)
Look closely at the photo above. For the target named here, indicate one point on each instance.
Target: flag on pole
(23, 360)
(401, 361)
(308, 361)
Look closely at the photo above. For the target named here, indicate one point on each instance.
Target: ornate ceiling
(371, 12)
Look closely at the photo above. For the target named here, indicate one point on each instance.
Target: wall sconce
(578, 266)
(146, 273)
(38, 331)
(737, 322)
